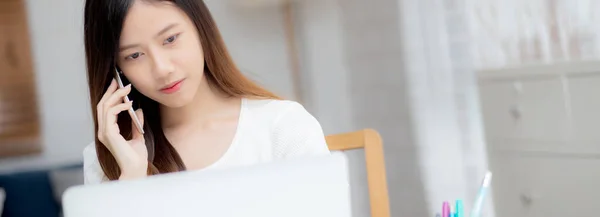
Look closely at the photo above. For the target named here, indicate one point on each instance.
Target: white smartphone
(131, 112)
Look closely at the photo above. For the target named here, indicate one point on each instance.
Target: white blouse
(267, 130)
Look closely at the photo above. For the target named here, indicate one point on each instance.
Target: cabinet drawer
(496, 101)
(512, 183)
(584, 92)
(543, 184)
(530, 109)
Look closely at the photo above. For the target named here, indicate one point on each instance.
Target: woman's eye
(171, 39)
(133, 56)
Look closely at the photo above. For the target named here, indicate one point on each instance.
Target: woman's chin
(176, 102)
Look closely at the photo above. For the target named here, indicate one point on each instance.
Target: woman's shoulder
(294, 131)
(271, 106)
(274, 109)
(278, 113)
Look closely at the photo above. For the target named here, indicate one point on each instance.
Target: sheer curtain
(509, 33)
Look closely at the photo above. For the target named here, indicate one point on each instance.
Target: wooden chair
(377, 184)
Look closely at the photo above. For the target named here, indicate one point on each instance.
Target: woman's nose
(163, 65)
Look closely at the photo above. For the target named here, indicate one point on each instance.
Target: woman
(197, 109)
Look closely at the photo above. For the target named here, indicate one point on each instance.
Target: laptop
(307, 187)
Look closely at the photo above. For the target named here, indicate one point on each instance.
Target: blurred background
(455, 87)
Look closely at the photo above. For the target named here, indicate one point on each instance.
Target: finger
(140, 115)
(117, 97)
(100, 107)
(111, 113)
(111, 89)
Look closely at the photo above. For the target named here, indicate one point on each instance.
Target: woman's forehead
(145, 19)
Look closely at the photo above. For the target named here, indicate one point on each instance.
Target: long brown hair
(103, 22)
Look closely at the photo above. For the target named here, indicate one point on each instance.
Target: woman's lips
(172, 87)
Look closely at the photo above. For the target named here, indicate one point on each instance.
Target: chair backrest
(375, 165)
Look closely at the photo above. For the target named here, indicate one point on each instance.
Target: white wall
(352, 68)
(255, 39)
(324, 70)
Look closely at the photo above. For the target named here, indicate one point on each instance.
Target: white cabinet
(543, 112)
(497, 99)
(584, 93)
(529, 184)
(512, 185)
(543, 133)
(525, 109)
(566, 186)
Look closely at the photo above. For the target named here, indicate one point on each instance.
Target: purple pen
(445, 209)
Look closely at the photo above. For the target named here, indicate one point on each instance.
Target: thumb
(136, 132)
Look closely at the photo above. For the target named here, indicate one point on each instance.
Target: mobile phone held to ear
(131, 112)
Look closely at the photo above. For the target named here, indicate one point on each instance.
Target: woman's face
(160, 53)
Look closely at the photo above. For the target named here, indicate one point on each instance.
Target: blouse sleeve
(92, 172)
(297, 133)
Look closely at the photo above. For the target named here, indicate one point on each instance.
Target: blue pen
(485, 185)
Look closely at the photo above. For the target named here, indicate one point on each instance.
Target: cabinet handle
(515, 112)
(526, 200)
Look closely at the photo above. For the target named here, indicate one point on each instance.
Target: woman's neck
(205, 106)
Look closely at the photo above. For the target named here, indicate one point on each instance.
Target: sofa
(38, 193)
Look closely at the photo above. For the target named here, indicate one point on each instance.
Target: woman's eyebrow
(170, 26)
(167, 28)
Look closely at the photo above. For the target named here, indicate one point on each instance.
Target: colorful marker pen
(460, 212)
(445, 209)
(485, 185)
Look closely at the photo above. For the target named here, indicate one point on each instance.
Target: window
(517, 32)
(19, 120)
